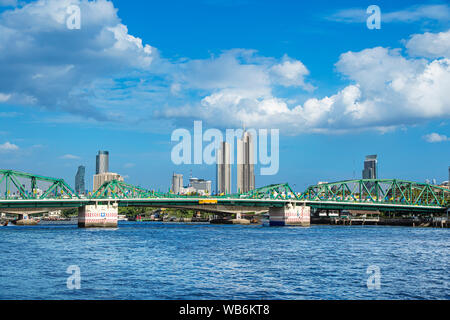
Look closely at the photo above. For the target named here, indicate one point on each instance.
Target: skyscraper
(102, 162)
(223, 173)
(177, 183)
(370, 167)
(79, 180)
(245, 163)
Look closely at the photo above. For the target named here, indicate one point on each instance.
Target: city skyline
(369, 171)
(276, 75)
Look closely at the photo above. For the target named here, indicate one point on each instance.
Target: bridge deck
(192, 202)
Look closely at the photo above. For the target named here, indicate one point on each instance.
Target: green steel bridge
(28, 192)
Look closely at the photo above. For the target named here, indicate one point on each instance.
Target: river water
(151, 260)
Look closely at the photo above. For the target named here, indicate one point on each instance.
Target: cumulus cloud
(239, 70)
(103, 73)
(430, 45)
(7, 147)
(82, 71)
(43, 63)
(435, 137)
(291, 72)
(387, 90)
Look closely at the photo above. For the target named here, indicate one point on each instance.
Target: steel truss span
(18, 189)
(25, 186)
(382, 191)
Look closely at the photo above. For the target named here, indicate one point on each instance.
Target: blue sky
(137, 70)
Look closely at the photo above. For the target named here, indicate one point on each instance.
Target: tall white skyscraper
(223, 173)
(245, 163)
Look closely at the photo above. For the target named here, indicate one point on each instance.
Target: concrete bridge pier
(22, 216)
(290, 215)
(98, 216)
(24, 220)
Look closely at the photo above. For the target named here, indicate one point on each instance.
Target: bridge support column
(24, 220)
(98, 216)
(290, 215)
(22, 216)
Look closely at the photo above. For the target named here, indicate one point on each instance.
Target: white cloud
(430, 45)
(387, 90)
(79, 72)
(4, 97)
(435, 137)
(291, 72)
(69, 157)
(438, 12)
(66, 63)
(7, 146)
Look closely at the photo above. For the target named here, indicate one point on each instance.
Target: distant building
(53, 214)
(223, 169)
(245, 163)
(445, 184)
(102, 162)
(200, 186)
(79, 180)
(101, 178)
(370, 167)
(177, 183)
(196, 185)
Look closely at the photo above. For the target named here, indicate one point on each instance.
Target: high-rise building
(223, 170)
(177, 183)
(448, 177)
(102, 162)
(101, 178)
(245, 163)
(79, 180)
(370, 167)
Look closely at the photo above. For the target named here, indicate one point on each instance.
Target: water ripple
(202, 261)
